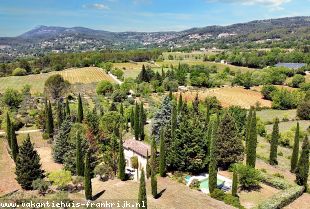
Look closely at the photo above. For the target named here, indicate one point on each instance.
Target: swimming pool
(204, 184)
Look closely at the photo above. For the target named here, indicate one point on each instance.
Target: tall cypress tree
(121, 109)
(68, 112)
(137, 122)
(180, 103)
(153, 155)
(302, 170)
(162, 156)
(153, 183)
(248, 127)
(148, 167)
(79, 156)
(60, 115)
(49, 120)
(87, 177)
(234, 184)
(8, 128)
(132, 119)
(14, 144)
(213, 157)
(294, 158)
(274, 143)
(141, 120)
(252, 143)
(142, 200)
(80, 110)
(28, 167)
(121, 161)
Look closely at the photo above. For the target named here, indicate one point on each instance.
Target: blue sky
(18, 16)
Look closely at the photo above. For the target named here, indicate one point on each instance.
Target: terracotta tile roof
(137, 146)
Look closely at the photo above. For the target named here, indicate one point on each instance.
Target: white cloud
(98, 6)
(273, 4)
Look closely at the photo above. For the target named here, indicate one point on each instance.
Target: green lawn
(270, 114)
(286, 126)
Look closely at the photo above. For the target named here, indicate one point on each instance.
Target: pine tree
(80, 115)
(8, 128)
(302, 170)
(137, 122)
(162, 156)
(14, 144)
(213, 157)
(294, 158)
(234, 184)
(79, 156)
(61, 144)
(141, 120)
(121, 161)
(87, 177)
(252, 143)
(229, 143)
(154, 183)
(274, 143)
(142, 201)
(49, 120)
(28, 167)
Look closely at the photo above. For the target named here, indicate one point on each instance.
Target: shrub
(61, 178)
(104, 172)
(282, 199)
(297, 80)
(249, 177)
(104, 87)
(41, 185)
(231, 200)
(303, 110)
(118, 73)
(19, 72)
(218, 194)
(12, 98)
(194, 184)
(275, 181)
(267, 91)
(227, 198)
(284, 99)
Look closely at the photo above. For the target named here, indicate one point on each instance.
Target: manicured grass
(74, 75)
(270, 114)
(286, 126)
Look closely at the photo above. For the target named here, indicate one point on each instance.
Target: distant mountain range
(44, 39)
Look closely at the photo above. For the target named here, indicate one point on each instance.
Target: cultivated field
(230, 96)
(73, 75)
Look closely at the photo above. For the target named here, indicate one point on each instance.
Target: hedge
(282, 198)
(275, 182)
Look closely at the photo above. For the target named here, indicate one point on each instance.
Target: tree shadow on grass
(96, 196)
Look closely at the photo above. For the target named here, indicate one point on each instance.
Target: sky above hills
(19, 16)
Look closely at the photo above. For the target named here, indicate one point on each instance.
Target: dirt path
(24, 132)
(7, 168)
(174, 194)
(48, 164)
(301, 203)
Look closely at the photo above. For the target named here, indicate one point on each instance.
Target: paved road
(24, 132)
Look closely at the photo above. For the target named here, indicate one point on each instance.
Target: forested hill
(45, 38)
